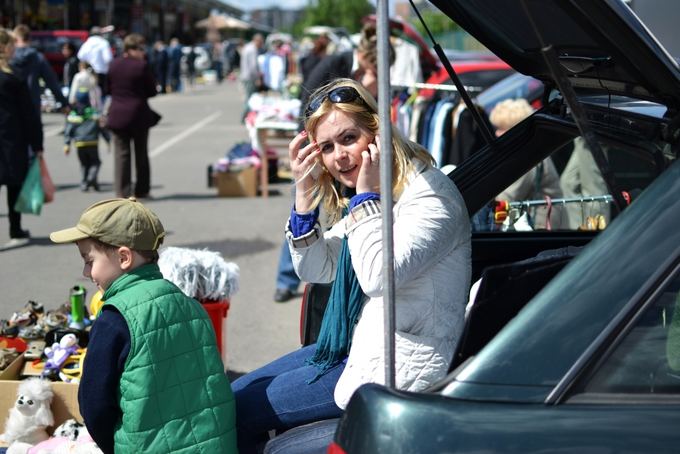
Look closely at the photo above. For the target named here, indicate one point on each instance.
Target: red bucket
(217, 311)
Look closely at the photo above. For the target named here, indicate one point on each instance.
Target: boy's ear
(125, 257)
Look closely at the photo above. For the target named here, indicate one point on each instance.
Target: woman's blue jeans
(278, 397)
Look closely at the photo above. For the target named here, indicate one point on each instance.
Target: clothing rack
(607, 198)
(441, 87)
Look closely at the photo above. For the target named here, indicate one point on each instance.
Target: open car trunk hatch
(601, 45)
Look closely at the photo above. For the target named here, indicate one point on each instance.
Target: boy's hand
(67, 149)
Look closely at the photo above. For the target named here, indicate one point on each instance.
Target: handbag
(31, 197)
(47, 184)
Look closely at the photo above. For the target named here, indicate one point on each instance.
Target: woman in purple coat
(131, 83)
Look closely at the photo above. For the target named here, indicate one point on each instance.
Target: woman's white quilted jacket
(432, 279)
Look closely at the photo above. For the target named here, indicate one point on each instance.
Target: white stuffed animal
(30, 416)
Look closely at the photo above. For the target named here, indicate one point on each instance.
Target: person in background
(174, 64)
(83, 126)
(159, 62)
(31, 66)
(153, 380)
(19, 128)
(339, 171)
(217, 56)
(86, 81)
(315, 55)
(250, 75)
(191, 66)
(541, 181)
(287, 280)
(360, 64)
(68, 50)
(129, 118)
(96, 51)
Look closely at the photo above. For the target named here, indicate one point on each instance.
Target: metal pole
(386, 187)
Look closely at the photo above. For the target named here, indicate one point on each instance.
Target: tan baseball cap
(118, 222)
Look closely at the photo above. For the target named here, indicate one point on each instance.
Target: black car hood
(601, 44)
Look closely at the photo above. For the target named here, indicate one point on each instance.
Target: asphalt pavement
(198, 126)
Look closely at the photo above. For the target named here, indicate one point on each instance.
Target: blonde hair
(365, 116)
(509, 112)
(6, 40)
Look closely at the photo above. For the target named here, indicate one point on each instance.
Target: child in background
(86, 80)
(153, 380)
(83, 128)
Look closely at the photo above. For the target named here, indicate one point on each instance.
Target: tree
(437, 22)
(337, 13)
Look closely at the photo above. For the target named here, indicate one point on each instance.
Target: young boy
(82, 127)
(152, 380)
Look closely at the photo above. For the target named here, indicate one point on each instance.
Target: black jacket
(19, 128)
(30, 66)
(329, 68)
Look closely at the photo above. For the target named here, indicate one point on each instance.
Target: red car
(49, 42)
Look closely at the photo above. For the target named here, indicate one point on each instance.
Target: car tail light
(335, 448)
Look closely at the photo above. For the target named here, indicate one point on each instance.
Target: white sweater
(432, 267)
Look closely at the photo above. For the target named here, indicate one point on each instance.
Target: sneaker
(283, 294)
(15, 243)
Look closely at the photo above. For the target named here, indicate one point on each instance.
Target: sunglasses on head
(337, 95)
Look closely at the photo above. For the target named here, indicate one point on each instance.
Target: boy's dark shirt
(107, 352)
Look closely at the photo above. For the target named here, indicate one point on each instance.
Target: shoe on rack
(283, 294)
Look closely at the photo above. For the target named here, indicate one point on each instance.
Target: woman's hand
(369, 173)
(303, 164)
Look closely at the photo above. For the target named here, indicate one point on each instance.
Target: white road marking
(173, 140)
(54, 131)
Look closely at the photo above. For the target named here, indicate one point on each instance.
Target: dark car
(50, 42)
(572, 342)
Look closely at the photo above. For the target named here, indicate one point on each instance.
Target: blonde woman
(338, 171)
(19, 129)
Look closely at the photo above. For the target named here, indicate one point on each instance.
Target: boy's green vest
(173, 392)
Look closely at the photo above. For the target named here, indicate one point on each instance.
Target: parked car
(50, 42)
(581, 352)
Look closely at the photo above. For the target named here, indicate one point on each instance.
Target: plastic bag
(48, 185)
(31, 197)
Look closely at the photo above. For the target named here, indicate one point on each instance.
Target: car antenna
(577, 111)
(481, 124)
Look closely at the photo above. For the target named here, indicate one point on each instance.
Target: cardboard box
(237, 184)
(64, 403)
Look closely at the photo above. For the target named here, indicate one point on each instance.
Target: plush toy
(30, 416)
(58, 353)
(71, 437)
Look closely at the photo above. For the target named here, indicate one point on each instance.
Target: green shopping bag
(32, 196)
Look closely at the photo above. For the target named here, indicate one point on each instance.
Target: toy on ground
(96, 303)
(30, 416)
(70, 437)
(58, 353)
(77, 297)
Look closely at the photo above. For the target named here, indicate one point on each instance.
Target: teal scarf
(340, 317)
